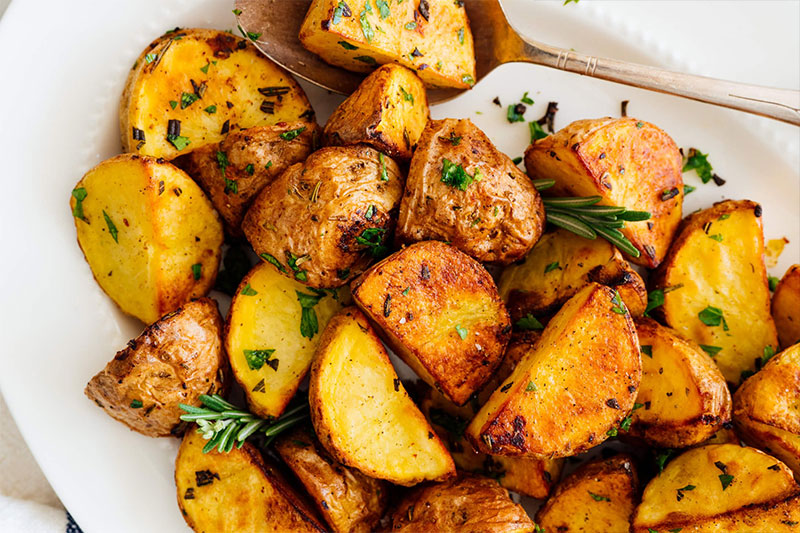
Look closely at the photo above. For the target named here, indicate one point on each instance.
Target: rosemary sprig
(224, 425)
(582, 217)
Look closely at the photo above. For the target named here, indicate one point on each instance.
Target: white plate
(63, 66)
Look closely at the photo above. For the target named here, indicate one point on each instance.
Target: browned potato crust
(313, 220)
(467, 503)
(600, 496)
(577, 382)
(349, 500)
(786, 307)
(496, 218)
(439, 310)
(629, 163)
(235, 170)
(388, 111)
(683, 396)
(173, 361)
(716, 265)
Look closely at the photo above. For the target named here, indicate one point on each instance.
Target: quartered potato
(388, 111)
(766, 408)
(786, 307)
(271, 333)
(461, 189)
(715, 286)
(558, 266)
(467, 503)
(629, 163)
(683, 398)
(325, 220)
(235, 170)
(600, 496)
(174, 361)
(190, 87)
(440, 312)
(361, 412)
(720, 488)
(149, 234)
(431, 37)
(576, 383)
(237, 491)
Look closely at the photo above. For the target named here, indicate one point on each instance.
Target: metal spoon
(496, 42)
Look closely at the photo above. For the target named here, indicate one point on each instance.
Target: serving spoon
(277, 24)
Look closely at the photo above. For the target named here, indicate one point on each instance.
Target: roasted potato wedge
(388, 111)
(323, 221)
(683, 396)
(235, 170)
(786, 307)
(270, 351)
(361, 412)
(720, 488)
(190, 86)
(600, 496)
(440, 312)
(173, 361)
(466, 503)
(629, 163)
(462, 189)
(584, 369)
(431, 37)
(349, 500)
(237, 491)
(558, 266)
(715, 289)
(766, 408)
(149, 234)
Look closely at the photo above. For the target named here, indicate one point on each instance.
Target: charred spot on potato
(205, 477)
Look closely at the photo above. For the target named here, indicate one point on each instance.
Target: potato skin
(314, 212)
(173, 361)
(388, 112)
(629, 163)
(255, 157)
(786, 307)
(573, 506)
(495, 220)
(466, 503)
(419, 297)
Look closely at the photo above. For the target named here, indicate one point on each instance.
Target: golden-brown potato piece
(558, 266)
(766, 408)
(440, 312)
(683, 396)
(461, 189)
(786, 307)
(271, 335)
(189, 87)
(577, 382)
(629, 163)
(349, 500)
(600, 496)
(325, 220)
(388, 111)
(361, 412)
(431, 37)
(237, 491)
(720, 488)
(149, 234)
(174, 361)
(235, 170)
(715, 289)
(466, 503)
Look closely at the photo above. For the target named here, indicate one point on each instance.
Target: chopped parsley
(295, 262)
(411, 25)
(292, 134)
(531, 387)
(249, 291)
(619, 305)
(309, 325)
(408, 97)
(149, 58)
(347, 46)
(370, 212)
(187, 99)
(406, 291)
(80, 194)
(460, 34)
(249, 34)
(112, 229)
(711, 350)
(647, 350)
(526, 99)
(237, 12)
(453, 424)
(372, 238)
(204, 68)
(366, 28)
(687, 189)
(772, 280)
(136, 404)
(211, 109)
(681, 490)
(515, 113)
(552, 266)
(178, 141)
(717, 237)
(250, 169)
(383, 8)
(455, 175)
(713, 316)
(342, 9)
(256, 358)
(384, 173)
(598, 498)
(197, 271)
(466, 78)
(462, 332)
(366, 59)
(537, 132)
(173, 104)
(662, 457)
(528, 322)
(769, 351)
(271, 259)
(655, 298)
(698, 162)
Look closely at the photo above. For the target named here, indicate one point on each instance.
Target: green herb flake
(537, 132)
(149, 58)
(292, 134)
(341, 9)
(370, 212)
(383, 8)
(80, 194)
(249, 291)
(552, 266)
(309, 325)
(366, 28)
(204, 68)
(654, 299)
(211, 109)
(469, 80)
(688, 188)
(384, 173)
(698, 162)
(408, 97)
(513, 113)
(256, 358)
(529, 322)
(717, 237)
(598, 498)
(517, 160)
(768, 352)
(531, 387)
(347, 46)
(372, 238)
(454, 139)
(406, 291)
(725, 480)
(179, 141)
(366, 59)
(237, 12)
(619, 306)
(173, 104)
(187, 99)
(711, 350)
(773, 283)
(411, 25)
(526, 99)
(271, 259)
(455, 175)
(462, 332)
(249, 34)
(639, 125)
(136, 404)
(647, 350)
(453, 424)
(112, 229)
(250, 169)
(713, 316)
(460, 34)
(197, 270)
(269, 164)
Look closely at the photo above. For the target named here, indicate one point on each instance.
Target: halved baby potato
(190, 87)
(149, 234)
(272, 333)
(628, 162)
(361, 412)
(440, 312)
(786, 307)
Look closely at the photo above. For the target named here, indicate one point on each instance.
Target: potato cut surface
(786, 307)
